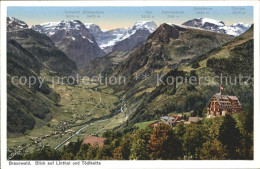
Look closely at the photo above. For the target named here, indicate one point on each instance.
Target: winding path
(79, 130)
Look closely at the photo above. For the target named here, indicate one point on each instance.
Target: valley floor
(83, 110)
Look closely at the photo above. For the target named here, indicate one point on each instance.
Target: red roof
(92, 140)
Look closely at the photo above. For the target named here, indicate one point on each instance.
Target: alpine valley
(71, 120)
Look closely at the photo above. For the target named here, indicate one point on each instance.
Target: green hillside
(28, 54)
(148, 101)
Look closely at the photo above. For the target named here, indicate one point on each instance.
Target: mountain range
(106, 39)
(73, 38)
(195, 48)
(84, 42)
(122, 39)
(169, 45)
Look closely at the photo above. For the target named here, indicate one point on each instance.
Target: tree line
(224, 138)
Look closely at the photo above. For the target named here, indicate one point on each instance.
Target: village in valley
(219, 105)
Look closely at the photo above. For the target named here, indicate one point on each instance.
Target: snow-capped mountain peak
(14, 24)
(73, 38)
(211, 21)
(71, 24)
(92, 27)
(75, 27)
(241, 25)
(140, 25)
(107, 39)
(50, 24)
(88, 25)
(149, 25)
(235, 29)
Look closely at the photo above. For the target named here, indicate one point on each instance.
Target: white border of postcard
(137, 164)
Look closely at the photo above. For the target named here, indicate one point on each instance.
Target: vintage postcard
(127, 84)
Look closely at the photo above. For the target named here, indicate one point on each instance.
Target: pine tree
(105, 153)
(82, 153)
(230, 136)
(92, 152)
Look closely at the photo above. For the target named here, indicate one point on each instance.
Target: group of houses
(174, 119)
(219, 105)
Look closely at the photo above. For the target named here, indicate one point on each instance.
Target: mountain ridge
(148, 102)
(235, 29)
(73, 38)
(28, 54)
(159, 47)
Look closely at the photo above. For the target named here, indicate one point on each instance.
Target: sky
(122, 17)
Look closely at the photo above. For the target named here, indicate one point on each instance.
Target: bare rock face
(135, 36)
(14, 24)
(127, 44)
(165, 32)
(74, 39)
(121, 39)
(106, 39)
